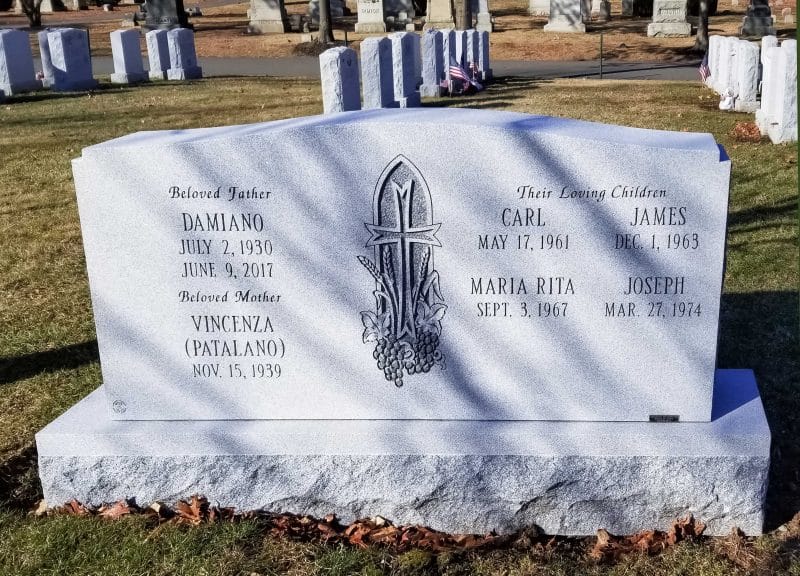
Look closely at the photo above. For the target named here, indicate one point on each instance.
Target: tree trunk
(325, 20)
(701, 41)
(33, 12)
(463, 15)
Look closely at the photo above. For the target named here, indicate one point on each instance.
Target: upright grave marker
(267, 16)
(669, 19)
(157, 54)
(16, 63)
(370, 17)
(371, 335)
(127, 54)
(182, 56)
(165, 15)
(432, 63)
(404, 70)
(747, 61)
(376, 73)
(44, 57)
(72, 63)
(339, 77)
(565, 16)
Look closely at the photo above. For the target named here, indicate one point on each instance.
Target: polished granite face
(406, 264)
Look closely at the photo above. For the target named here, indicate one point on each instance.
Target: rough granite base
(567, 478)
(267, 27)
(192, 73)
(370, 28)
(669, 29)
(123, 78)
(565, 26)
(158, 74)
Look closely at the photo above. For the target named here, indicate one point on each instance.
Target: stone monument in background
(669, 19)
(759, 20)
(267, 17)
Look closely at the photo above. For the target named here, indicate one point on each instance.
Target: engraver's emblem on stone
(409, 306)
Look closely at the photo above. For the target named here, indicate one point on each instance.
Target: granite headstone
(364, 332)
(16, 63)
(71, 60)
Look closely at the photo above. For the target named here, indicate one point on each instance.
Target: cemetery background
(517, 35)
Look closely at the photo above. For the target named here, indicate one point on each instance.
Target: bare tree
(463, 15)
(325, 23)
(701, 40)
(33, 12)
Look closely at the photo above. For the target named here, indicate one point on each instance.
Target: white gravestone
(714, 43)
(472, 50)
(432, 63)
(404, 72)
(669, 19)
(182, 56)
(601, 10)
(565, 16)
(157, 54)
(127, 55)
(449, 52)
(370, 17)
(440, 15)
(376, 73)
(72, 63)
(782, 123)
(539, 7)
(483, 18)
(267, 17)
(416, 45)
(16, 63)
(339, 76)
(461, 47)
(44, 57)
(484, 64)
(769, 59)
(484, 354)
(727, 54)
(747, 63)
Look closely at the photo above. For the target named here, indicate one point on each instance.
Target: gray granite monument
(565, 16)
(669, 19)
(164, 15)
(267, 17)
(759, 20)
(349, 326)
(440, 15)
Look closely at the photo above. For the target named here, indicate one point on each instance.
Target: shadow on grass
(20, 489)
(759, 330)
(65, 358)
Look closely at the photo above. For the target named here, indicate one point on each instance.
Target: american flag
(458, 72)
(704, 70)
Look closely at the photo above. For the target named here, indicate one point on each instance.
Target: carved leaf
(370, 321)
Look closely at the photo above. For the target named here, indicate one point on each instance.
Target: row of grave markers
(734, 66)
(67, 62)
(398, 69)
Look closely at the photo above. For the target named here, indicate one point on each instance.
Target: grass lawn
(48, 353)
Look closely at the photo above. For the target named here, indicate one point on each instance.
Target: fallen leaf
(113, 511)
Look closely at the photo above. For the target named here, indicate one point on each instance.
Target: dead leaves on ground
(609, 548)
(378, 531)
(746, 132)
